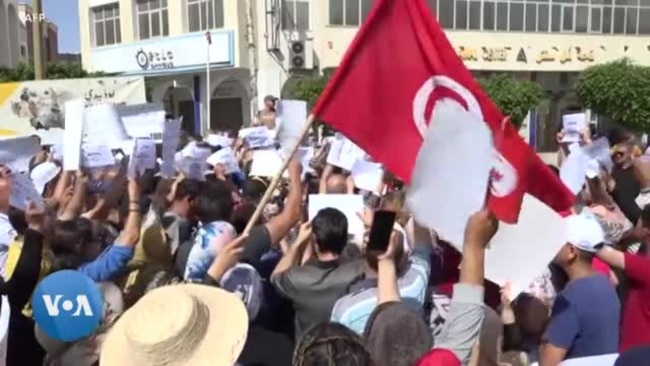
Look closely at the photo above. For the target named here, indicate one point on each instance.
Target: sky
(65, 14)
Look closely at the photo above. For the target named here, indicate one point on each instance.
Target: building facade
(11, 34)
(49, 39)
(165, 41)
(547, 41)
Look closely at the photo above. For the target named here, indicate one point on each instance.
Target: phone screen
(381, 229)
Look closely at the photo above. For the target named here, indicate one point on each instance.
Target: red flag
(383, 93)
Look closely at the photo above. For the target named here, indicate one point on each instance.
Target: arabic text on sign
(555, 54)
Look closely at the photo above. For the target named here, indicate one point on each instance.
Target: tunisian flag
(382, 97)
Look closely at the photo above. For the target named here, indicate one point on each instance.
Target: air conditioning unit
(301, 54)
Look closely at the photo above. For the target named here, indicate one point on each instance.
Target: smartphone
(381, 229)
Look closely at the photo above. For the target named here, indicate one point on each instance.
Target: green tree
(619, 90)
(55, 70)
(515, 98)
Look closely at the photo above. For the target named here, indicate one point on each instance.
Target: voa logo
(68, 305)
(81, 305)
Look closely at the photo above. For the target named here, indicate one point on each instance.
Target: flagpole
(276, 179)
(208, 94)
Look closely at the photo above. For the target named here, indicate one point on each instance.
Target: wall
(10, 33)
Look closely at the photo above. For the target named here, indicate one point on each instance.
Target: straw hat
(178, 325)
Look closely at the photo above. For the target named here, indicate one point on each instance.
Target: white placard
(171, 135)
(18, 151)
(573, 124)
(256, 137)
(367, 175)
(603, 360)
(96, 155)
(344, 154)
(266, 163)
(72, 135)
(350, 204)
(521, 252)
(143, 157)
(102, 124)
(226, 157)
(454, 161)
(218, 140)
(23, 191)
(145, 120)
(293, 114)
(194, 165)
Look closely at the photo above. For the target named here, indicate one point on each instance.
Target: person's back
(313, 288)
(593, 305)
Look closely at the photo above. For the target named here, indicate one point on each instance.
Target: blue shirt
(110, 263)
(585, 318)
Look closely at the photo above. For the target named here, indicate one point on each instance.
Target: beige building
(548, 41)
(11, 34)
(49, 38)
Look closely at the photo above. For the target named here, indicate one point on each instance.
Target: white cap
(584, 232)
(44, 173)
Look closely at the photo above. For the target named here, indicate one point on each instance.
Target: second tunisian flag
(382, 97)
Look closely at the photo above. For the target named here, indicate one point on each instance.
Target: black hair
(17, 220)
(330, 228)
(67, 241)
(645, 216)
(188, 188)
(331, 344)
(215, 202)
(254, 189)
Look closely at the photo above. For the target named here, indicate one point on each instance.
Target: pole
(37, 38)
(208, 94)
(276, 179)
(252, 57)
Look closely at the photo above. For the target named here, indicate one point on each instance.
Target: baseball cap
(245, 282)
(44, 173)
(584, 232)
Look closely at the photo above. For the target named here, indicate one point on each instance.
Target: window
(446, 14)
(531, 17)
(619, 21)
(475, 15)
(462, 8)
(542, 17)
(342, 12)
(106, 25)
(596, 20)
(556, 18)
(631, 19)
(502, 16)
(295, 15)
(567, 18)
(644, 21)
(516, 17)
(204, 14)
(582, 19)
(152, 18)
(489, 18)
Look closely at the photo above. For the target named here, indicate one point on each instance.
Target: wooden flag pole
(276, 179)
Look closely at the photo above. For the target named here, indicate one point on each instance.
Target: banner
(37, 107)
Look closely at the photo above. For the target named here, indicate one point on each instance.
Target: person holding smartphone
(413, 269)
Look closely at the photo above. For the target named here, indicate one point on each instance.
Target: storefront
(175, 70)
(552, 60)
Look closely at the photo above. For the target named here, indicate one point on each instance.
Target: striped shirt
(354, 309)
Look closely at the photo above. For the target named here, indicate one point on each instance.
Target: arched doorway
(14, 41)
(5, 54)
(227, 111)
(177, 102)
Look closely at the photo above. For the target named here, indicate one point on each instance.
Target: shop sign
(556, 54)
(489, 54)
(152, 59)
